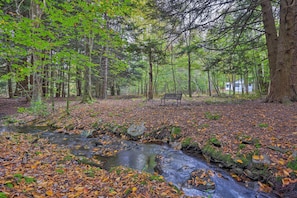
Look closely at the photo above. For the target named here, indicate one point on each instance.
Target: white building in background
(239, 85)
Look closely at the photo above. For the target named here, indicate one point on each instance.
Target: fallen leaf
(134, 189)
(49, 193)
(264, 187)
(286, 181)
(258, 157)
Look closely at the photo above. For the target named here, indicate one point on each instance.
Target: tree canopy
(100, 48)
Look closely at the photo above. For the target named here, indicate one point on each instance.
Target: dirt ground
(10, 106)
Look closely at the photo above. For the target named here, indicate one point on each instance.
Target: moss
(241, 146)
(243, 160)
(175, 133)
(293, 164)
(213, 140)
(187, 142)
(217, 155)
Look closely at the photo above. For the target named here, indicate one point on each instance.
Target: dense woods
(74, 75)
(98, 48)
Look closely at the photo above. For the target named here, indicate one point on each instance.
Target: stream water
(175, 166)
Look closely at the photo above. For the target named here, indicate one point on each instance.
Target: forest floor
(254, 140)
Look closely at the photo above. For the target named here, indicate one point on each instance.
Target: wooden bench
(172, 96)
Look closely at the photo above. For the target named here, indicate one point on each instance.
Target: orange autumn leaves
(53, 172)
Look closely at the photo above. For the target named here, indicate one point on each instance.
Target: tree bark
(150, 91)
(172, 69)
(105, 78)
(281, 51)
(35, 14)
(87, 95)
(9, 81)
(209, 82)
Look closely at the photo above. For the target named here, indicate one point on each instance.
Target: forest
(98, 48)
(80, 89)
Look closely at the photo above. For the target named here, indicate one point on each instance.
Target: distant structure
(239, 86)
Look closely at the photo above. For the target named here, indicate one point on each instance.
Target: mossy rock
(162, 134)
(175, 133)
(214, 141)
(217, 156)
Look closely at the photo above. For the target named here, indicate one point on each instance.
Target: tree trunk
(189, 74)
(63, 85)
(209, 82)
(106, 64)
(105, 78)
(150, 91)
(59, 84)
(118, 89)
(9, 81)
(281, 51)
(36, 14)
(87, 95)
(68, 87)
(173, 70)
(78, 83)
(112, 88)
(52, 81)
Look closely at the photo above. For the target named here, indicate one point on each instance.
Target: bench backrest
(177, 96)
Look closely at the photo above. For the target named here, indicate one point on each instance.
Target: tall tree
(281, 45)
(35, 15)
(281, 50)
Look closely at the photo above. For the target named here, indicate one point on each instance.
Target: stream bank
(193, 176)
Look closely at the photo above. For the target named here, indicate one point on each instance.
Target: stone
(263, 159)
(136, 130)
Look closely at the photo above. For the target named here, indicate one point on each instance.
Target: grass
(263, 125)
(18, 177)
(175, 132)
(3, 195)
(212, 116)
(215, 141)
(293, 164)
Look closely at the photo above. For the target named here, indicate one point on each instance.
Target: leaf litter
(263, 129)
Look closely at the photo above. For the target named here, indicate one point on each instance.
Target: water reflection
(175, 165)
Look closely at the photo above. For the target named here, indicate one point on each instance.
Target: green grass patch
(18, 177)
(212, 116)
(3, 195)
(263, 125)
(10, 120)
(29, 180)
(38, 108)
(60, 171)
(22, 110)
(213, 140)
(156, 177)
(293, 164)
(90, 173)
(175, 132)
(241, 146)
(9, 185)
(188, 142)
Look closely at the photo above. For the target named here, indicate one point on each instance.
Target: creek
(175, 166)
